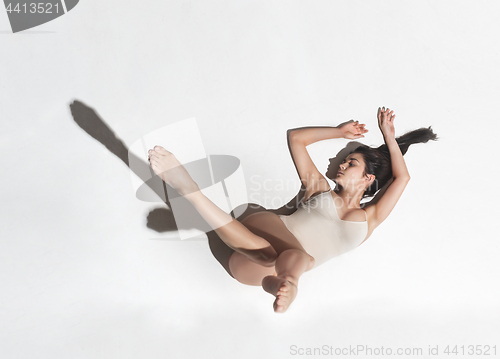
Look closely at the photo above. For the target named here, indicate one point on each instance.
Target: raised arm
(379, 211)
(299, 138)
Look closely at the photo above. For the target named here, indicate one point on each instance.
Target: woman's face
(351, 172)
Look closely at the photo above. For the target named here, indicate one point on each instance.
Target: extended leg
(231, 231)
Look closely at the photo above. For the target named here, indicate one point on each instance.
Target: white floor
(83, 277)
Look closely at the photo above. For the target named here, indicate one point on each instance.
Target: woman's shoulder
(370, 217)
(369, 209)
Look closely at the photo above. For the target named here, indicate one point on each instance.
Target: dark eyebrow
(352, 158)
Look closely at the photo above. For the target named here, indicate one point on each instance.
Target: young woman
(275, 250)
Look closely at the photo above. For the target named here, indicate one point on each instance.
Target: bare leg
(248, 272)
(290, 265)
(231, 231)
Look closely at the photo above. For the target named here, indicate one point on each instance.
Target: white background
(81, 275)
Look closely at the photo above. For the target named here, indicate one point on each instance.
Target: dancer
(273, 251)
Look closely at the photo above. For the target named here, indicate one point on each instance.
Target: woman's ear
(370, 178)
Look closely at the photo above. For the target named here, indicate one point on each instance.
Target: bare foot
(283, 288)
(170, 170)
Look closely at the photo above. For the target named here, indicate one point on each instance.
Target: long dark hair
(378, 160)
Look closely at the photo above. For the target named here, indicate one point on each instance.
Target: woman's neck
(349, 199)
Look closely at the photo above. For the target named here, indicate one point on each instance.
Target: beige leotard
(319, 229)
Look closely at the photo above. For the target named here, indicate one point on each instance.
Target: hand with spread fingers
(353, 130)
(386, 122)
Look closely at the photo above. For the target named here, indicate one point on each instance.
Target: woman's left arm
(381, 210)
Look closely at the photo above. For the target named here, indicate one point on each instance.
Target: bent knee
(305, 258)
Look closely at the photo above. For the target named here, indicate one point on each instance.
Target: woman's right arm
(298, 139)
